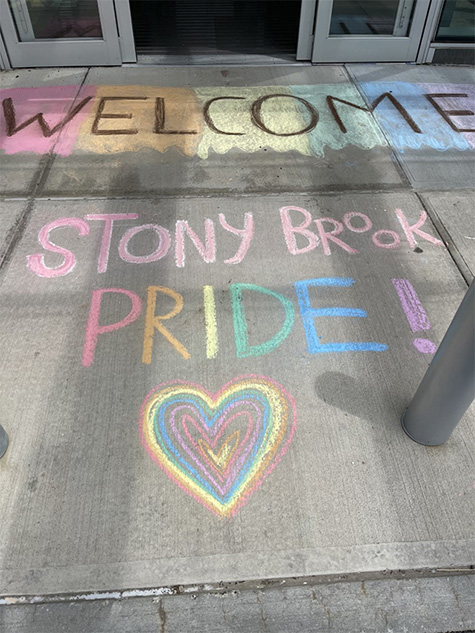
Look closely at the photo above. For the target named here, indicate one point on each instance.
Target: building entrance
(37, 33)
(240, 28)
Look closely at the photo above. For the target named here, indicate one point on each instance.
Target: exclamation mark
(415, 314)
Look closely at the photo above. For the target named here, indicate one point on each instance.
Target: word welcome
(302, 234)
(306, 119)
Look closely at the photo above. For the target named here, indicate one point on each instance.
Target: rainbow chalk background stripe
(205, 121)
(218, 447)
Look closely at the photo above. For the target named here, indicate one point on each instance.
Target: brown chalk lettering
(386, 95)
(400, 108)
(160, 120)
(257, 119)
(331, 104)
(100, 115)
(12, 128)
(446, 114)
(209, 120)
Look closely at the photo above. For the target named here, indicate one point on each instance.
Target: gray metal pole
(448, 387)
(3, 441)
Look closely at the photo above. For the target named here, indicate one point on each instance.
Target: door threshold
(217, 60)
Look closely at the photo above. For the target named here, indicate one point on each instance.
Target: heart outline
(278, 434)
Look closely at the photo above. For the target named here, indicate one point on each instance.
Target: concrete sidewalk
(220, 288)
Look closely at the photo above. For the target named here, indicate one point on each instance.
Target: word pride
(218, 448)
(243, 294)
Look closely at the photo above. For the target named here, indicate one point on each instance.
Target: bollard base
(413, 438)
(3, 442)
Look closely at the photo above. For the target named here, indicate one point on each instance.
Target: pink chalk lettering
(415, 229)
(376, 237)
(424, 345)
(36, 263)
(247, 233)
(93, 329)
(164, 243)
(109, 219)
(411, 304)
(207, 251)
(347, 218)
(331, 236)
(302, 229)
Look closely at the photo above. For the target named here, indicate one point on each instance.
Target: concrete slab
(411, 73)
(217, 76)
(10, 213)
(37, 77)
(19, 173)
(92, 507)
(214, 130)
(431, 605)
(150, 173)
(32, 91)
(454, 210)
(433, 133)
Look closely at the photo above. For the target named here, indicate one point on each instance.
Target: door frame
(366, 48)
(4, 60)
(306, 34)
(126, 33)
(69, 51)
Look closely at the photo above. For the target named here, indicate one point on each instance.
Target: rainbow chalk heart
(220, 447)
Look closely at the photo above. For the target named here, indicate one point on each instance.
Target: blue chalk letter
(308, 315)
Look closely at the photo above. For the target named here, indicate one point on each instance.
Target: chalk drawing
(382, 238)
(212, 344)
(108, 219)
(93, 329)
(154, 322)
(415, 229)
(36, 263)
(262, 300)
(456, 104)
(290, 230)
(434, 130)
(246, 234)
(34, 117)
(218, 447)
(207, 250)
(361, 128)
(241, 334)
(348, 222)
(132, 118)
(195, 122)
(234, 128)
(163, 246)
(415, 313)
(327, 236)
(386, 234)
(309, 314)
(300, 238)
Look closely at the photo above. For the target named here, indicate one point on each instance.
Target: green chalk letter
(243, 348)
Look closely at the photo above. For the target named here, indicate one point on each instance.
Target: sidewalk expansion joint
(15, 234)
(452, 249)
(222, 587)
(227, 195)
(401, 168)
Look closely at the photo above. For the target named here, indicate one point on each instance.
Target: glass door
(369, 30)
(60, 33)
